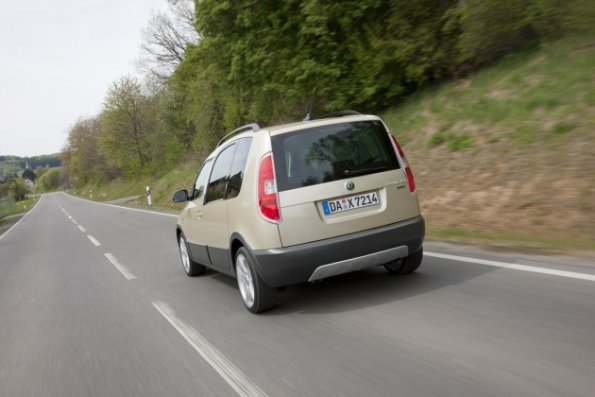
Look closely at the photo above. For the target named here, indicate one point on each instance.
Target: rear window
(332, 152)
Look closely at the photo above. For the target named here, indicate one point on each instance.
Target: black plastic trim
(293, 265)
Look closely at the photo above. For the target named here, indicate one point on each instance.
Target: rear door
(339, 179)
(193, 229)
(214, 212)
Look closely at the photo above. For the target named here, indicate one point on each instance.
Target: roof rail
(340, 113)
(248, 127)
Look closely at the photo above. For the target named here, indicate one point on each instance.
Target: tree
(265, 61)
(166, 38)
(491, 29)
(50, 180)
(125, 125)
(81, 157)
(14, 187)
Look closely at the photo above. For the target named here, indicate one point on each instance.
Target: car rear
(343, 197)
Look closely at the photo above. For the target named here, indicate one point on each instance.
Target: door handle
(198, 215)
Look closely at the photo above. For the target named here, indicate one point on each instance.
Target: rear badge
(349, 185)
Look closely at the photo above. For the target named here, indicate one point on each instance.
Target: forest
(212, 65)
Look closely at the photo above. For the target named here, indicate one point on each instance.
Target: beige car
(301, 202)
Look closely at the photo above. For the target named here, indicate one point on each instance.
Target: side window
(237, 167)
(201, 180)
(220, 174)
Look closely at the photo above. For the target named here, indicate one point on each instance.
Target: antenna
(309, 114)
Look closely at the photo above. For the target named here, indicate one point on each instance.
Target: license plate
(349, 203)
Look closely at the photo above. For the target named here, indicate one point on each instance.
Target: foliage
(531, 98)
(265, 61)
(82, 159)
(136, 133)
(14, 187)
(268, 62)
(126, 124)
(15, 164)
(39, 171)
(490, 29)
(46, 160)
(50, 180)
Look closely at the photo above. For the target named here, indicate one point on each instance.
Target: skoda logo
(349, 185)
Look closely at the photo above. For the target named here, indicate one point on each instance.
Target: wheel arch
(235, 242)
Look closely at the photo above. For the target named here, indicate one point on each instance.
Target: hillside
(12, 164)
(507, 154)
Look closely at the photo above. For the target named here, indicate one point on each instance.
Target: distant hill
(13, 164)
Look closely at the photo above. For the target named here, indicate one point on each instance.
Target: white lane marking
(125, 208)
(515, 266)
(93, 240)
(20, 220)
(69, 217)
(75, 222)
(82, 229)
(232, 375)
(127, 273)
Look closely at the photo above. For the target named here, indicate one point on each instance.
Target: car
(301, 202)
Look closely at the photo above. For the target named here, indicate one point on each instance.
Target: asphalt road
(122, 319)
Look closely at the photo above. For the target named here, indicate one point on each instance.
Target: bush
(50, 180)
(490, 29)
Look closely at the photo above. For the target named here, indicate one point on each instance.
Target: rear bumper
(320, 259)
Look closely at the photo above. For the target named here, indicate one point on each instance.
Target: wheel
(406, 265)
(191, 267)
(256, 295)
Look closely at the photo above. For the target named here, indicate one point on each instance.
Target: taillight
(268, 205)
(405, 164)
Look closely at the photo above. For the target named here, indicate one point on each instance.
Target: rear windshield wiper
(363, 171)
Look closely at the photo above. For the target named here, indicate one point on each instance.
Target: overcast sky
(57, 61)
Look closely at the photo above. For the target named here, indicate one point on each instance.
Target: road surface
(94, 302)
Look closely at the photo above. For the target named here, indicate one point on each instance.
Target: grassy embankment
(20, 207)
(504, 155)
(162, 188)
(508, 154)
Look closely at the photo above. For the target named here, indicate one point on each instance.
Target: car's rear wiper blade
(363, 171)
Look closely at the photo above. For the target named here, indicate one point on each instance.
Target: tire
(406, 265)
(256, 295)
(191, 267)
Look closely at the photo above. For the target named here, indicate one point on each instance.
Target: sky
(57, 61)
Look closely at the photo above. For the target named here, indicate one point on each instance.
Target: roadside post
(149, 200)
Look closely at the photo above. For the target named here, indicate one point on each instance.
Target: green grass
(516, 98)
(564, 126)
(511, 239)
(21, 206)
(512, 127)
(454, 142)
(162, 188)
